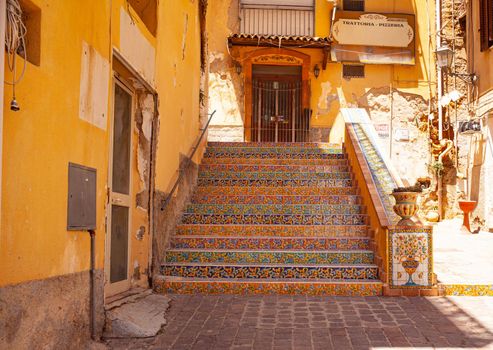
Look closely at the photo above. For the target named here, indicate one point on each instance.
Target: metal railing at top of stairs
(182, 169)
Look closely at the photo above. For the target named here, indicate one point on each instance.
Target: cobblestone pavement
(285, 322)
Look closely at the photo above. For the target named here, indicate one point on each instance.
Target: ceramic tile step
(273, 155)
(268, 271)
(274, 168)
(269, 257)
(308, 287)
(274, 161)
(275, 144)
(264, 175)
(271, 243)
(276, 200)
(246, 219)
(269, 190)
(269, 209)
(276, 182)
(277, 231)
(275, 150)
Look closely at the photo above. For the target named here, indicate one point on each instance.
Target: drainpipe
(439, 70)
(450, 145)
(333, 17)
(3, 19)
(92, 300)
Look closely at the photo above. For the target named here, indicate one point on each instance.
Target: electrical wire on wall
(15, 43)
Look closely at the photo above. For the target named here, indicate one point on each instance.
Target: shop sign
(374, 30)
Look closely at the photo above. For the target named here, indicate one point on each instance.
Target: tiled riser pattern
(269, 243)
(269, 257)
(276, 200)
(275, 191)
(274, 182)
(274, 231)
(279, 169)
(263, 175)
(272, 218)
(268, 209)
(221, 219)
(249, 287)
(280, 271)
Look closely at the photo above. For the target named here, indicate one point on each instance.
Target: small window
(350, 71)
(147, 11)
(354, 5)
(486, 23)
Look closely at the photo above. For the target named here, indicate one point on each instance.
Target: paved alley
(298, 322)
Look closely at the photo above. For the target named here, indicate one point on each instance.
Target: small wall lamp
(238, 68)
(316, 71)
(445, 57)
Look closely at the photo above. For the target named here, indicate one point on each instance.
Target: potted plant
(405, 203)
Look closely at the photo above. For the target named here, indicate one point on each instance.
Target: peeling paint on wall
(325, 100)
(94, 87)
(184, 38)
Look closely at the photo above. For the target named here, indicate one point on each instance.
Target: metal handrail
(189, 160)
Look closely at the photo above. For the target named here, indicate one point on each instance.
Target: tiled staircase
(273, 219)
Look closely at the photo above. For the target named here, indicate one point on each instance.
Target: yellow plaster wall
(411, 79)
(47, 133)
(178, 83)
(41, 139)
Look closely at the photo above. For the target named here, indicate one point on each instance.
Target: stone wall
(51, 313)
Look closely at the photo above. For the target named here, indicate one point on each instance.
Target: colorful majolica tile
(475, 290)
(270, 243)
(311, 288)
(276, 199)
(271, 209)
(410, 257)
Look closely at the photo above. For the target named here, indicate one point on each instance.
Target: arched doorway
(277, 96)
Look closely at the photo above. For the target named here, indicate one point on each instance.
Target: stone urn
(405, 206)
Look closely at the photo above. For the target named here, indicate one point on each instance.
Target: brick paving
(295, 322)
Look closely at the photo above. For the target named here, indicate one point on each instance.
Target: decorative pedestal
(410, 258)
(467, 207)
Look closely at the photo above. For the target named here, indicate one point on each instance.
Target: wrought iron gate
(277, 112)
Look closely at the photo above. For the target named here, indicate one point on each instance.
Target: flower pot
(405, 206)
(467, 207)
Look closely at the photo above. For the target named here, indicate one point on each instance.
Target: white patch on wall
(94, 87)
(136, 48)
(326, 98)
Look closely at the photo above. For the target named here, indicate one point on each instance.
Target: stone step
(268, 257)
(308, 287)
(246, 219)
(270, 209)
(264, 175)
(276, 182)
(276, 200)
(328, 231)
(270, 243)
(271, 154)
(274, 161)
(269, 271)
(242, 168)
(274, 144)
(269, 190)
(213, 151)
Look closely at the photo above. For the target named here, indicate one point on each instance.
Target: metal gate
(277, 111)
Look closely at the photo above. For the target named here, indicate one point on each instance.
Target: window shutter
(490, 22)
(483, 24)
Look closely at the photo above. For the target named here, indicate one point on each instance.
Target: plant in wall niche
(437, 168)
(410, 250)
(405, 203)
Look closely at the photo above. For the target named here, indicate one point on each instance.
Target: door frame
(111, 289)
(275, 57)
